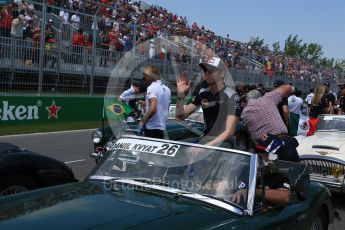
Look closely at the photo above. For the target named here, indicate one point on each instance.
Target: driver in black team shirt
(218, 101)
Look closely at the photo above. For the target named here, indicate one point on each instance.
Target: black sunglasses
(211, 71)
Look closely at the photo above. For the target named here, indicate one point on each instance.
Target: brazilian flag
(115, 110)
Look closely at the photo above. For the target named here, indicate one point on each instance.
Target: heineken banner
(25, 110)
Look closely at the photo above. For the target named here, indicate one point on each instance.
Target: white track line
(57, 132)
(69, 162)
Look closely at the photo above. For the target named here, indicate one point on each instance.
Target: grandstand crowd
(122, 24)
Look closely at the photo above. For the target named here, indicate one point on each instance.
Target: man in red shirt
(78, 42)
(6, 21)
(78, 39)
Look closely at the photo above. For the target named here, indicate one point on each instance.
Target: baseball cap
(212, 64)
(326, 83)
(50, 20)
(278, 83)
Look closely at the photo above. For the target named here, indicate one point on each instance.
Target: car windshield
(331, 123)
(212, 172)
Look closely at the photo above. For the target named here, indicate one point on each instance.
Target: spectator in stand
(6, 18)
(152, 50)
(75, 20)
(50, 32)
(28, 35)
(128, 44)
(28, 30)
(78, 42)
(50, 46)
(30, 17)
(89, 46)
(104, 45)
(36, 40)
(17, 27)
(64, 16)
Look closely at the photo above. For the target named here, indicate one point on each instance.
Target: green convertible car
(145, 183)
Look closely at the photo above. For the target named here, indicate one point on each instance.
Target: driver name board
(146, 146)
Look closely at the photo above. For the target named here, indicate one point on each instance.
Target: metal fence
(60, 68)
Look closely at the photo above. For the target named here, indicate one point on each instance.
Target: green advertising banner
(37, 110)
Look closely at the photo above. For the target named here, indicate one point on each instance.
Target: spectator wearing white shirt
(64, 15)
(17, 27)
(75, 20)
(152, 51)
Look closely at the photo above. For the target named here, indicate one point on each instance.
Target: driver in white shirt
(157, 102)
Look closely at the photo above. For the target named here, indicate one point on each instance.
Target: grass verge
(48, 127)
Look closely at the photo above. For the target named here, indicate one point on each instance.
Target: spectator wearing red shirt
(78, 39)
(78, 42)
(6, 21)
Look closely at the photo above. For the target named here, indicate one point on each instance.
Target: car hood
(89, 205)
(331, 144)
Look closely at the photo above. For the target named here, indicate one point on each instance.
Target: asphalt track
(74, 148)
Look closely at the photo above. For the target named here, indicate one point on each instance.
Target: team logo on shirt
(241, 185)
(204, 102)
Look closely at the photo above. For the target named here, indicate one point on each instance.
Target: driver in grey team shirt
(218, 102)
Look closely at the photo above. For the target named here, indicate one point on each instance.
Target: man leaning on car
(264, 124)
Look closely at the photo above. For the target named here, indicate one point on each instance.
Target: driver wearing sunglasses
(218, 101)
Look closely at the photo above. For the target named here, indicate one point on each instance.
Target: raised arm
(183, 86)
